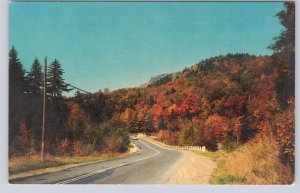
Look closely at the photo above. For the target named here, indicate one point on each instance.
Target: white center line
(157, 152)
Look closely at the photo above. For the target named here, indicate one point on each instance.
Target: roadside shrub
(24, 142)
(64, 147)
(118, 140)
(77, 148)
(88, 149)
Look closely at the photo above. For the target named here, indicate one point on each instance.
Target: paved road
(153, 165)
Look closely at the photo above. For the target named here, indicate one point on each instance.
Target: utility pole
(44, 113)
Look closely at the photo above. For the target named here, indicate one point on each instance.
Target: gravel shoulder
(194, 169)
(191, 169)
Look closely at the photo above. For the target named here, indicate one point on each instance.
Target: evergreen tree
(55, 82)
(35, 78)
(17, 84)
(35, 89)
(285, 42)
(284, 46)
(17, 99)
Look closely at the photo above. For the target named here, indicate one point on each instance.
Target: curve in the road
(154, 164)
(157, 152)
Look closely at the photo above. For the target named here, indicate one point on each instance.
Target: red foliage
(190, 106)
(262, 102)
(166, 112)
(219, 126)
(234, 105)
(166, 136)
(157, 111)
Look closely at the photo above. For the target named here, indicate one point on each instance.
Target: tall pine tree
(35, 78)
(284, 47)
(55, 82)
(17, 98)
(35, 90)
(17, 83)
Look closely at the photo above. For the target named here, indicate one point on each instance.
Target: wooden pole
(44, 113)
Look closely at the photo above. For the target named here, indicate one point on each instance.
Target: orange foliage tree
(218, 126)
(77, 121)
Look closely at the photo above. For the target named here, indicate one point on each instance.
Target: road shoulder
(192, 169)
(195, 169)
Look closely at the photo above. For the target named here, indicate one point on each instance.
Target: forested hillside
(220, 102)
(225, 99)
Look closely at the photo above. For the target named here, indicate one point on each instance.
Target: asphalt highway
(152, 165)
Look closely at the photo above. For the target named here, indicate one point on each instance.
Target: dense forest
(219, 102)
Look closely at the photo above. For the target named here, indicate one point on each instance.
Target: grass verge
(256, 162)
(212, 155)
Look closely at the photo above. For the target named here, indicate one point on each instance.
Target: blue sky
(118, 45)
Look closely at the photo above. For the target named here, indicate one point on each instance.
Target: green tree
(17, 83)
(55, 82)
(17, 90)
(35, 78)
(284, 47)
(285, 42)
(35, 99)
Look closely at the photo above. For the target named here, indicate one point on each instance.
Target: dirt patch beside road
(195, 169)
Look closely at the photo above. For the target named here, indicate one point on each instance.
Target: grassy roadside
(220, 176)
(212, 155)
(25, 166)
(256, 162)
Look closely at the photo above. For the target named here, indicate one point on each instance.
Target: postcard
(152, 93)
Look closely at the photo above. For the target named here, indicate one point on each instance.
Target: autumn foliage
(223, 101)
(218, 102)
